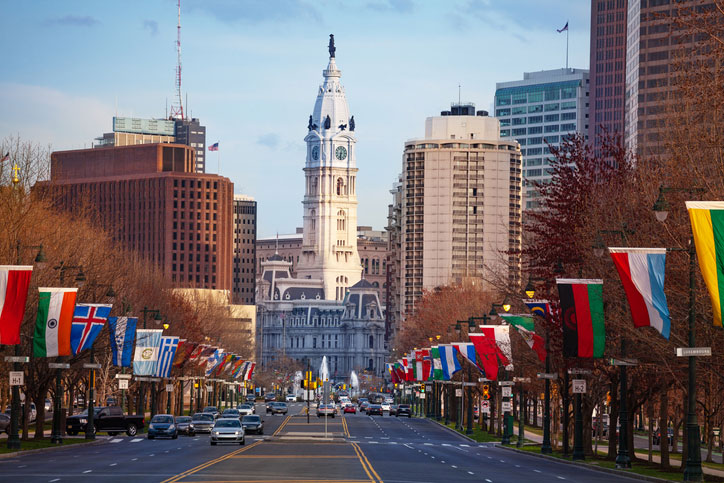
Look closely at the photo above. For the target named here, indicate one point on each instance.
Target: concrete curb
(16, 454)
(587, 466)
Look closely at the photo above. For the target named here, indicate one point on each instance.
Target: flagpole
(567, 29)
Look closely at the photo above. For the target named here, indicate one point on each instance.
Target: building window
(372, 342)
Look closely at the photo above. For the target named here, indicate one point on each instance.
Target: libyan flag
(584, 333)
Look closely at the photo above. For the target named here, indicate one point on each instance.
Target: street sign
(507, 391)
(91, 366)
(693, 351)
(547, 375)
(469, 384)
(17, 359)
(506, 383)
(623, 362)
(578, 370)
(123, 376)
(485, 406)
(458, 393)
(169, 387)
(422, 395)
(579, 386)
(58, 365)
(507, 406)
(209, 388)
(17, 378)
(521, 379)
(122, 383)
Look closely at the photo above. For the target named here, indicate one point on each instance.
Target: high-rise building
(243, 285)
(152, 201)
(191, 133)
(393, 274)
(461, 204)
(539, 110)
(608, 68)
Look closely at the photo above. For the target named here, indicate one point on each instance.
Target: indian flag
(707, 225)
(54, 322)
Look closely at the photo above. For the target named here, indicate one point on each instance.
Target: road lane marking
(453, 466)
(470, 473)
(22, 466)
(200, 467)
(134, 459)
(136, 440)
(53, 481)
(489, 481)
(113, 464)
(465, 445)
(537, 471)
(87, 471)
(281, 426)
(446, 444)
(369, 465)
(560, 477)
(288, 456)
(116, 440)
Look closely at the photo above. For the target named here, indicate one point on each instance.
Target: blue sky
(251, 70)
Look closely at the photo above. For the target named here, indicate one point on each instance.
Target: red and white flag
(14, 284)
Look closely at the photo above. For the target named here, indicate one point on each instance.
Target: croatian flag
(642, 275)
(88, 321)
(123, 332)
(450, 364)
(165, 356)
(214, 147)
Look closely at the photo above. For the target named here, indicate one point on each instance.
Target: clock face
(341, 152)
(315, 152)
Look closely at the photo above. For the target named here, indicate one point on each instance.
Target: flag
(450, 364)
(584, 333)
(642, 275)
(183, 351)
(250, 371)
(196, 353)
(166, 354)
(14, 284)
(213, 361)
(214, 147)
(53, 323)
(564, 29)
(241, 371)
(238, 366)
(539, 307)
(145, 359)
(207, 353)
(534, 341)
(467, 350)
(88, 321)
(436, 373)
(123, 332)
(707, 225)
(492, 345)
(519, 321)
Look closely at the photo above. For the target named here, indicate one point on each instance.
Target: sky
(251, 70)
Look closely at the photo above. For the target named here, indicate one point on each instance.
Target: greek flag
(166, 355)
(123, 333)
(145, 360)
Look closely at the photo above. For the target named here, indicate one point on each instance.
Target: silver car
(201, 423)
(227, 430)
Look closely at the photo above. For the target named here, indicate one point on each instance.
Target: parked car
(183, 424)
(350, 408)
(5, 424)
(403, 410)
(246, 409)
(250, 398)
(657, 436)
(253, 424)
(291, 398)
(231, 413)
(212, 410)
(49, 405)
(108, 419)
(227, 430)
(33, 411)
(375, 409)
(277, 408)
(201, 423)
(326, 410)
(162, 425)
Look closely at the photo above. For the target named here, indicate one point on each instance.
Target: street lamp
(692, 471)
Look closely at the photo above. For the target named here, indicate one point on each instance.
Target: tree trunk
(685, 437)
(587, 409)
(709, 439)
(650, 416)
(612, 427)
(664, 429)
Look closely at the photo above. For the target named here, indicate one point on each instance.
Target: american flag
(165, 356)
(214, 147)
(88, 320)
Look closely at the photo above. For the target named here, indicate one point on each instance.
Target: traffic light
(422, 388)
(486, 391)
(344, 387)
(608, 398)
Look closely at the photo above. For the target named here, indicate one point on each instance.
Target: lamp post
(506, 414)
(142, 396)
(692, 471)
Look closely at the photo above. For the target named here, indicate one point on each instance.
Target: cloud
(151, 26)
(74, 21)
(400, 6)
(526, 15)
(270, 140)
(254, 11)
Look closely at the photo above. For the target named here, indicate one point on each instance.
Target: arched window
(341, 220)
(341, 188)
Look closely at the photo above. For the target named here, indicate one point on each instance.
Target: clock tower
(329, 247)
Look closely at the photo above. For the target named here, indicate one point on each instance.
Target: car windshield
(210, 409)
(245, 406)
(227, 423)
(404, 406)
(203, 417)
(251, 419)
(183, 419)
(162, 419)
(280, 404)
(85, 412)
(231, 411)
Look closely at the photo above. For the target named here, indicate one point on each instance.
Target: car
(253, 424)
(269, 397)
(231, 413)
(375, 409)
(5, 424)
(393, 409)
(362, 400)
(403, 410)
(250, 398)
(291, 398)
(183, 423)
(476, 412)
(109, 419)
(277, 408)
(211, 410)
(364, 406)
(162, 425)
(325, 410)
(657, 436)
(227, 430)
(33, 411)
(389, 400)
(201, 423)
(385, 406)
(246, 409)
(48, 405)
(350, 408)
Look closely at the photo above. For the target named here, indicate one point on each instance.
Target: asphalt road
(358, 448)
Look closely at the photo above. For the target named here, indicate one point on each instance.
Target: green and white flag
(520, 320)
(436, 372)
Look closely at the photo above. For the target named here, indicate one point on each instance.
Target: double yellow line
(281, 426)
(209, 463)
(366, 465)
(344, 425)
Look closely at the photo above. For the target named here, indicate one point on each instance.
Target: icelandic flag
(214, 147)
(642, 275)
(87, 323)
(123, 333)
(216, 358)
(450, 364)
(467, 349)
(538, 307)
(165, 355)
(148, 343)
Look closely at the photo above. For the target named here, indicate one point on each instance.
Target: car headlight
(171, 427)
(237, 433)
(83, 421)
(216, 433)
(151, 426)
(191, 426)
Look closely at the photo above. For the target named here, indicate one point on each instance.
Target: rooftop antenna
(459, 87)
(177, 108)
(276, 250)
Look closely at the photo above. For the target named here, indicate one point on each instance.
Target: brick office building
(152, 201)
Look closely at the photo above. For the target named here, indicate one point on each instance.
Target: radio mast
(177, 108)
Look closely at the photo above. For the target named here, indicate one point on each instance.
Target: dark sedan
(231, 413)
(212, 410)
(183, 424)
(162, 425)
(201, 423)
(403, 410)
(277, 408)
(253, 424)
(374, 409)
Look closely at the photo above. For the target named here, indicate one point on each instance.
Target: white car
(246, 409)
(385, 406)
(291, 398)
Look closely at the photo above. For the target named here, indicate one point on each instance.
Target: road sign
(507, 391)
(521, 379)
(17, 378)
(17, 359)
(693, 351)
(422, 395)
(485, 406)
(579, 386)
(123, 376)
(91, 366)
(122, 383)
(58, 365)
(507, 406)
(623, 362)
(547, 375)
(209, 388)
(578, 370)
(506, 383)
(169, 387)
(458, 393)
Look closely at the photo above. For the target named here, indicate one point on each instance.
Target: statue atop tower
(332, 48)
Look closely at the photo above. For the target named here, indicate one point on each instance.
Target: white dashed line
(489, 481)
(453, 466)
(53, 481)
(517, 466)
(470, 473)
(465, 445)
(136, 440)
(22, 466)
(427, 444)
(117, 440)
(87, 471)
(446, 444)
(537, 471)
(134, 459)
(560, 477)
(113, 464)
(502, 461)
